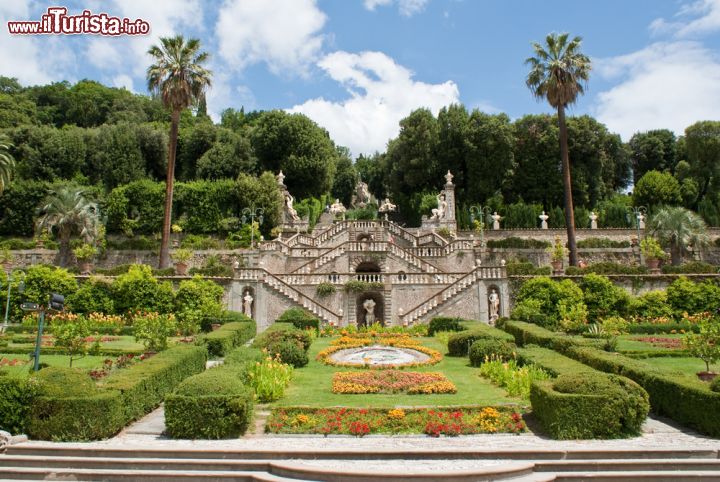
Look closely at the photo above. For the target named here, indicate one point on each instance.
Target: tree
(179, 78)
(71, 333)
(656, 189)
(678, 228)
(557, 75)
(489, 156)
(702, 142)
(705, 344)
(7, 163)
(652, 151)
(346, 177)
(66, 212)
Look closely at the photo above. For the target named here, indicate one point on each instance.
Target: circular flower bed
(403, 343)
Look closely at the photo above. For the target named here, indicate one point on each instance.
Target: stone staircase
(324, 313)
(58, 462)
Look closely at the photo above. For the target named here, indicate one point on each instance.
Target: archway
(378, 309)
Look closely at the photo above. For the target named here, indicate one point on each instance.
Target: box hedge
(16, 396)
(459, 343)
(486, 348)
(300, 319)
(212, 405)
(444, 323)
(227, 337)
(530, 334)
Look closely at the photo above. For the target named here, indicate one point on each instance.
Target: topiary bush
(490, 348)
(227, 337)
(444, 323)
(459, 343)
(290, 352)
(16, 397)
(684, 296)
(212, 405)
(280, 332)
(299, 318)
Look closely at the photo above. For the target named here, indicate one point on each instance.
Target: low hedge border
(227, 337)
(459, 343)
(212, 405)
(639, 354)
(529, 334)
(657, 329)
(445, 323)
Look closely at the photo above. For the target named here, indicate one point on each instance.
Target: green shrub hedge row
(675, 395)
(658, 328)
(459, 343)
(551, 361)
(300, 319)
(444, 323)
(16, 395)
(486, 348)
(227, 337)
(212, 405)
(528, 333)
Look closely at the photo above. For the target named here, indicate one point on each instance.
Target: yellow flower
(396, 414)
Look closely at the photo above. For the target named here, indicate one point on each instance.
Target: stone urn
(86, 267)
(653, 265)
(707, 376)
(557, 266)
(181, 268)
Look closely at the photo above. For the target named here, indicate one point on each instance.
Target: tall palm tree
(7, 163)
(67, 212)
(178, 76)
(678, 228)
(557, 74)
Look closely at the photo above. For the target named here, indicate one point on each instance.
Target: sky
(357, 67)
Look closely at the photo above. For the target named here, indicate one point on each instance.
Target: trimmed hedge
(144, 385)
(459, 343)
(664, 328)
(551, 361)
(300, 319)
(486, 348)
(589, 406)
(212, 405)
(227, 337)
(243, 355)
(16, 396)
(685, 400)
(528, 333)
(444, 323)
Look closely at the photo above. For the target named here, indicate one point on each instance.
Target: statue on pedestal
(289, 210)
(369, 305)
(362, 195)
(387, 207)
(338, 208)
(543, 220)
(247, 304)
(441, 210)
(496, 220)
(593, 220)
(494, 306)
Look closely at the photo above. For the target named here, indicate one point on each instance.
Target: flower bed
(381, 339)
(663, 342)
(430, 421)
(391, 381)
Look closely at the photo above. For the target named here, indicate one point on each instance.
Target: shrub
(443, 323)
(589, 406)
(695, 267)
(602, 297)
(299, 318)
(153, 329)
(684, 296)
(139, 290)
(602, 243)
(137, 243)
(615, 325)
(93, 296)
(518, 243)
(715, 385)
(549, 294)
(195, 300)
(652, 304)
(213, 267)
(211, 405)
(516, 380)
(279, 332)
(325, 289)
(40, 281)
(573, 317)
(290, 352)
(269, 378)
(490, 348)
(227, 337)
(606, 268)
(459, 343)
(526, 268)
(16, 397)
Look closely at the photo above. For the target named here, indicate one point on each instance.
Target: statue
(593, 220)
(280, 179)
(439, 213)
(494, 306)
(337, 208)
(543, 220)
(448, 178)
(496, 220)
(641, 221)
(362, 195)
(289, 210)
(247, 304)
(386, 207)
(369, 305)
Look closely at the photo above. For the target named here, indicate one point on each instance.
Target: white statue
(441, 211)
(641, 220)
(494, 306)
(280, 179)
(247, 303)
(386, 207)
(543, 220)
(369, 305)
(496, 220)
(362, 195)
(289, 210)
(593, 220)
(337, 208)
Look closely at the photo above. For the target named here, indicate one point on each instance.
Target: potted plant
(84, 255)
(176, 231)
(705, 345)
(557, 254)
(181, 257)
(653, 253)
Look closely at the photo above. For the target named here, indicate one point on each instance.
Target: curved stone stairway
(57, 462)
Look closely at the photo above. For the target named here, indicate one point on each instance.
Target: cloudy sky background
(359, 66)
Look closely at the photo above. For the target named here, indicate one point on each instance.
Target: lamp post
(637, 213)
(21, 288)
(481, 212)
(56, 303)
(251, 213)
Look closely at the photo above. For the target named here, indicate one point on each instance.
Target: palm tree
(7, 163)
(67, 212)
(678, 228)
(180, 79)
(557, 73)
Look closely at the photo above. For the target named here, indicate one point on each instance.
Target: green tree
(346, 177)
(117, 158)
(180, 79)
(72, 334)
(536, 173)
(652, 151)
(67, 212)
(706, 343)
(702, 142)
(489, 157)
(230, 155)
(7, 163)
(678, 228)
(656, 189)
(557, 74)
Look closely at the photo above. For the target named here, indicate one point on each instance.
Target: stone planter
(85, 267)
(653, 265)
(557, 266)
(181, 269)
(706, 376)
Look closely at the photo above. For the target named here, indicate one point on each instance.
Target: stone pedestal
(448, 221)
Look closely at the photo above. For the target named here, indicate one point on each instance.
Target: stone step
(655, 476)
(24, 473)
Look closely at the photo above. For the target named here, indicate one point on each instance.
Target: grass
(687, 365)
(124, 342)
(630, 343)
(311, 385)
(88, 362)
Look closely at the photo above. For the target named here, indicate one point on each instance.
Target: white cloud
(407, 8)
(381, 94)
(285, 34)
(123, 81)
(665, 85)
(706, 19)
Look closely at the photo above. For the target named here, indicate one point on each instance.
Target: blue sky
(358, 66)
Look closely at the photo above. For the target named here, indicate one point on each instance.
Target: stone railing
(400, 278)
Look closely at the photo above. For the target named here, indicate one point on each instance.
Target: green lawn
(125, 343)
(630, 343)
(311, 385)
(88, 362)
(689, 366)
